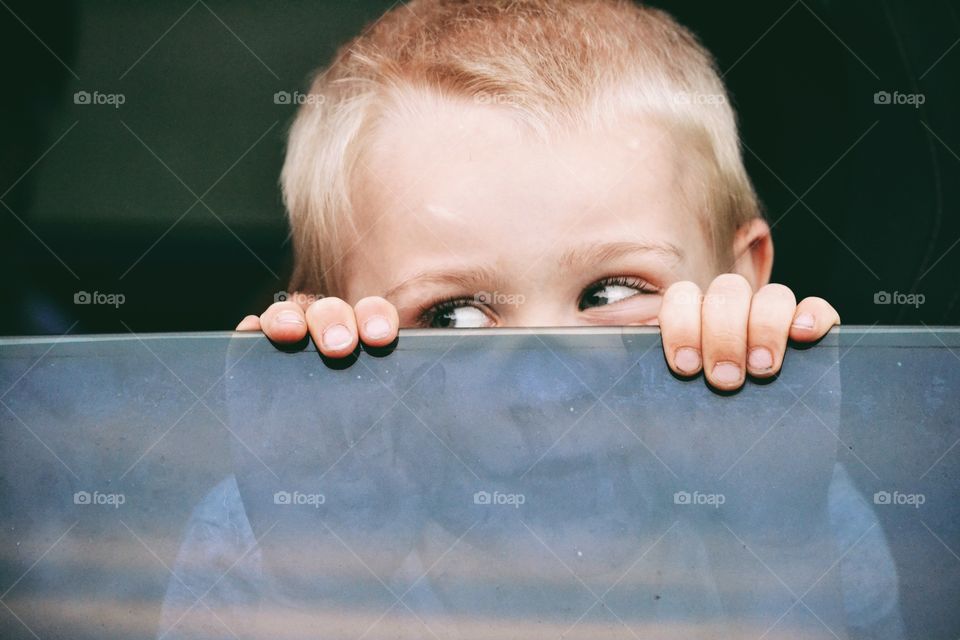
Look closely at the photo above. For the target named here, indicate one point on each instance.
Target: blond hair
(560, 62)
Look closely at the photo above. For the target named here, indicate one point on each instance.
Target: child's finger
(333, 327)
(377, 320)
(813, 319)
(680, 328)
(771, 313)
(250, 323)
(283, 322)
(726, 309)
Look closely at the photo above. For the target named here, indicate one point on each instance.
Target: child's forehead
(442, 153)
(468, 185)
(426, 117)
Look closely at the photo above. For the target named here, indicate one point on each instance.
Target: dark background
(172, 198)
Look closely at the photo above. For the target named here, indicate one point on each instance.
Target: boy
(520, 163)
(531, 164)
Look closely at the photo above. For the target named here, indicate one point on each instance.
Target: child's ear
(753, 252)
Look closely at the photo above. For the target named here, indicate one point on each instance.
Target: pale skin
(464, 220)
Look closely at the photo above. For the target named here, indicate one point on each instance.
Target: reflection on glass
(488, 485)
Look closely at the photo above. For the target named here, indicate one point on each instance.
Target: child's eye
(457, 314)
(613, 290)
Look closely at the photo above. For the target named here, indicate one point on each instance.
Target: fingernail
(726, 373)
(687, 360)
(804, 321)
(376, 327)
(760, 359)
(289, 317)
(337, 336)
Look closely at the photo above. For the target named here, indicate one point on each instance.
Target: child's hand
(731, 329)
(331, 322)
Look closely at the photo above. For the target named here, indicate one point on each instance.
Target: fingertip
(772, 311)
(338, 340)
(686, 362)
(812, 320)
(378, 331)
(285, 325)
(726, 376)
(332, 325)
(249, 323)
(804, 327)
(679, 320)
(378, 321)
(762, 362)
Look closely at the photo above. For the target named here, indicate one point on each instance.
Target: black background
(863, 197)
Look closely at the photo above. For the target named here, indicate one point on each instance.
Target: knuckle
(822, 310)
(777, 291)
(680, 307)
(731, 284)
(815, 302)
(371, 300)
(371, 304)
(278, 306)
(768, 329)
(684, 293)
(682, 286)
(324, 305)
(725, 342)
(675, 324)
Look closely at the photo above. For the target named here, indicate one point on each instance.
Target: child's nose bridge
(537, 312)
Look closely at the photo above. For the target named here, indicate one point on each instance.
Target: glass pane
(480, 484)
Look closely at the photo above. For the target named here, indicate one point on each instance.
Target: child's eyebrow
(600, 252)
(474, 279)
